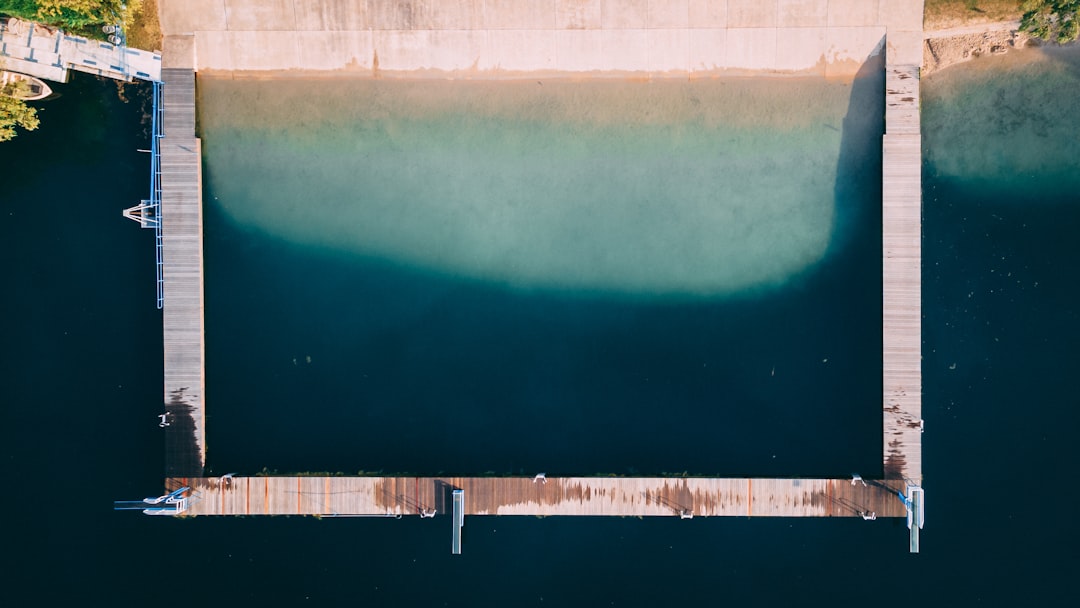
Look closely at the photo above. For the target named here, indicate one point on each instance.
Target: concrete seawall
(493, 38)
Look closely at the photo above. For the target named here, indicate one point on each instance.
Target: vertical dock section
(902, 255)
(182, 273)
(902, 268)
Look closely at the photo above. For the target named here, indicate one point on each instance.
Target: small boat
(21, 86)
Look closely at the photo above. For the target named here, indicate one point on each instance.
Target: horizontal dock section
(566, 496)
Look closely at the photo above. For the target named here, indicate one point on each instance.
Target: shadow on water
(858, 175)
(182, 458)
(320, 360)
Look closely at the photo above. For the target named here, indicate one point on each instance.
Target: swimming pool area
(603, 275)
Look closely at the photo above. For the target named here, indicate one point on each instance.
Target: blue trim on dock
(157, 119)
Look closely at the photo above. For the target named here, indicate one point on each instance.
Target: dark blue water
(421, 373)
(323, 358)
(81, 363)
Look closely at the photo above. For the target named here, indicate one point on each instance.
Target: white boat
(21, 86)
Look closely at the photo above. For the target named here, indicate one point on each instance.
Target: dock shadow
(442, 498)
(182, 457)
(858, 188)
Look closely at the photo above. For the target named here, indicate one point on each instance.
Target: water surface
(664, 187)
(576, 277)
(82, 363)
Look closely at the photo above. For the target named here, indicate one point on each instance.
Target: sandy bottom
(992, 121)
(664, 187)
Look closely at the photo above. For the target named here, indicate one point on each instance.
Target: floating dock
(901, 214)
(553, 496)
(182, 273)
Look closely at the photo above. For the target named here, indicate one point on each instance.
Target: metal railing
(148, 212)
(156, 122)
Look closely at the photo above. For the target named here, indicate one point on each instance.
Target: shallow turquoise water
(1017, 140)
(663, 188)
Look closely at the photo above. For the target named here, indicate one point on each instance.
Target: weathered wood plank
(568, 496)
(182, 269)
(902, 270)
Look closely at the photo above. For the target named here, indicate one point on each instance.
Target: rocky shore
(949, 47)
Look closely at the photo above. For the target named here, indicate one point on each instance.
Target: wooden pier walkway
(566, 496)
(181, 222)
(572, 496)
(901, 214)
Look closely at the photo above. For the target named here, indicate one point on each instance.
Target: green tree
(15, 113)
(23, 9)
(70, 14)
(1056, 20)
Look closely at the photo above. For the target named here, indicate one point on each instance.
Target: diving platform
(458, 520)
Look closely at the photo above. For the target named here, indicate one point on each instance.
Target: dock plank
(901, 207)
(572, 496)
(568, 496)
(182, 314)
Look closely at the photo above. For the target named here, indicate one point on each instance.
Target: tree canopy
(15, 112)
(70, 13)
(1056, 20)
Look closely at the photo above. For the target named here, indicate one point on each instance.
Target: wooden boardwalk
(901, 207)
(567, 496)
(613, 496)
(181, 213)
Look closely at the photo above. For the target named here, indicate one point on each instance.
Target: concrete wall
(483, 38)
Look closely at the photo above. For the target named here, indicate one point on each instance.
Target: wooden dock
(901, 207)
(181, 221)
(571, 496)
(565, 496)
